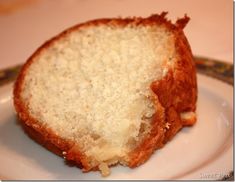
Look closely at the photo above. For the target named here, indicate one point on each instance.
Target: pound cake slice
(109, 91)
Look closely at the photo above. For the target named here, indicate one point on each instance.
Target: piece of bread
(109, 91)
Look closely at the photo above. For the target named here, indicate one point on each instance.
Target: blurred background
(26, 24)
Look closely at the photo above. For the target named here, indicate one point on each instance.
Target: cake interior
(92, 86)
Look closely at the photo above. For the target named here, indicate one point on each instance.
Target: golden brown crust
(175, 93)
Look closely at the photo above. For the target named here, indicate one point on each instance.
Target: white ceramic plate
(204, 151)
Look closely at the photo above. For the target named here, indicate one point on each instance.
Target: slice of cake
(109, 91)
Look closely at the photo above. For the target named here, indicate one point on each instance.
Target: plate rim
(207, 66)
